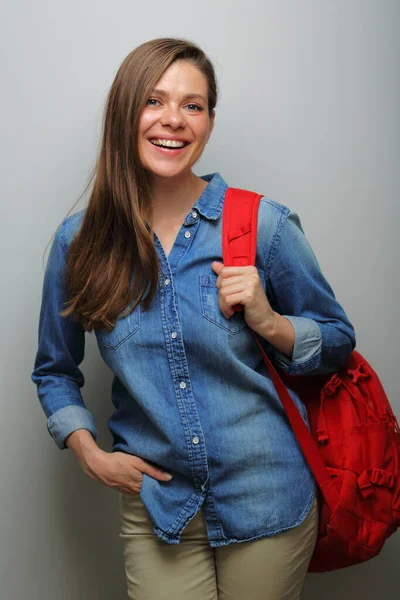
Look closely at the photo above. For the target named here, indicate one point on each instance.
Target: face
(175, 125)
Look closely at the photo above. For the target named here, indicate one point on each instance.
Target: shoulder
(277, 225)
(273, 207)
(277, 216)
(70, 226)
(272, 217)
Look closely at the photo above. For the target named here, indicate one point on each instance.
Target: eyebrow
(187, 96)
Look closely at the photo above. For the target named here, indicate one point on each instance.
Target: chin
(167, 171)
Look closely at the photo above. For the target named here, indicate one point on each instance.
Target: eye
(196, 107)
(150, 101)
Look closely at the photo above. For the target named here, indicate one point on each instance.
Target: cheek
(201, 132)
(145, 122)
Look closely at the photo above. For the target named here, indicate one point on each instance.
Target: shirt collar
(211, 200)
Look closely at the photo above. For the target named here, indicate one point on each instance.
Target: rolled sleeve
(306, 349)
(67, 420)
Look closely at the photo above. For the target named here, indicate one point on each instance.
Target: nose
(173, 117)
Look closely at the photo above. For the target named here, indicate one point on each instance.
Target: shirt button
(195, 440)
(167, 281)
(174, 334)
(194, 214)
(182, 385)
(187, 234)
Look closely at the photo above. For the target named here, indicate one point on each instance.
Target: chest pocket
(210, 307)
(125, 327)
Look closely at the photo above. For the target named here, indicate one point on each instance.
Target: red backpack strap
(239, 227)
(239, 243)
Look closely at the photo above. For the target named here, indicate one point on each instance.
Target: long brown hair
(114, 240)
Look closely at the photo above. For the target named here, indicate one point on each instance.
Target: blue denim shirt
(190, 390)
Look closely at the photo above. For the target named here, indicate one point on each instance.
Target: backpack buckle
(365, 484)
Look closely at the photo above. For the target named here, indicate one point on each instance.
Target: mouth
(172, 147)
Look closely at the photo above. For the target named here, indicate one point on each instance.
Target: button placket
(195, 443)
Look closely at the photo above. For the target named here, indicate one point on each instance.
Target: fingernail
(168, 476)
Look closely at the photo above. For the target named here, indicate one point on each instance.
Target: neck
(175, 195)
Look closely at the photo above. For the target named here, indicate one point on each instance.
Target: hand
(121, 471)
(242, 285)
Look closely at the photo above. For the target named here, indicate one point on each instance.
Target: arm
(59, 381)
(279, 332)
(61, 345)
(323, 337)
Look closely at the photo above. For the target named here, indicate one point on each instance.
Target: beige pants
(271, 568)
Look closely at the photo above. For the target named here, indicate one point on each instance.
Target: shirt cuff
(306, 349)
(69, 419)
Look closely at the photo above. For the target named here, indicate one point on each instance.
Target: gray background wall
(308, 116)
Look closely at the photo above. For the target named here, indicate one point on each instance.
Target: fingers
(141, 466)
(228, 290)
(236, 289)
(145, 467)
(234, 280)
(231, 275)
(219, 268)
(216, 266)
(134, 485)
(228, 297)
(124, 472)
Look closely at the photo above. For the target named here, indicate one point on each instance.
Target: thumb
(217, 266)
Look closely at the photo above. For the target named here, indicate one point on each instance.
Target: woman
(216, 499)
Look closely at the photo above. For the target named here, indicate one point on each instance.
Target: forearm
(82, 444)
(279, 333)
(319, 348)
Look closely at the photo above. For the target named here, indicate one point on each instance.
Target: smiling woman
(203, 456)
(174, 125)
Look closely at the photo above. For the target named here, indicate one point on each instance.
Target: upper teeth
(170, 143)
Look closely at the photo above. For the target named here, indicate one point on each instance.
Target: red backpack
(353, 449)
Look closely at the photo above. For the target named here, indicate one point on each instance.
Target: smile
(168, 143)
(169, 148)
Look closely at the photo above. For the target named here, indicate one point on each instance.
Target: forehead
(183, 76)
